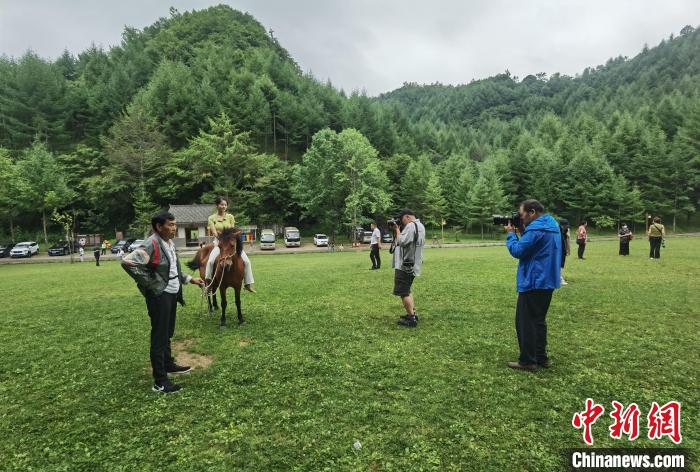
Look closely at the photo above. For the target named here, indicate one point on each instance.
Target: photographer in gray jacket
(407, 248)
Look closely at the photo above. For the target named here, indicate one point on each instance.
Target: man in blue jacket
(539, 252)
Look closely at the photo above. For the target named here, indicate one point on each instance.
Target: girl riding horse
(217, 223)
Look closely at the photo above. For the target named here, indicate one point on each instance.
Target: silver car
(25, 249)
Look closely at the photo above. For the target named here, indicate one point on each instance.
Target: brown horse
(228, 270)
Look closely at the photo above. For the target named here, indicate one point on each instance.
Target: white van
(267, 239)
(292, 237)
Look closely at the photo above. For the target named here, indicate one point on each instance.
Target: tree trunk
(354, 224)
(274, 134)
(12, 230)
(675, 204)
(286, 146)
(43, 221)
(70, 244)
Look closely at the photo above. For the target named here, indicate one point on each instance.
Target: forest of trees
(207, 102)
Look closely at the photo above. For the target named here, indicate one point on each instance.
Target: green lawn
(322, 364)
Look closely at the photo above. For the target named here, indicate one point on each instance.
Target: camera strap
(392, 249)
(415, 241)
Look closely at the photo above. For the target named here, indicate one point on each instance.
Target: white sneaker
(564, 282)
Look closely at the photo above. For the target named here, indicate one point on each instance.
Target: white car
(320, 240)
(135, 244)
(25, 249)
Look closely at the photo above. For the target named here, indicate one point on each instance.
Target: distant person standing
(565, 247)
(625, 236)
(582, 238)
(97, 253)
(120, 253)
(375, 246)
(81, 252)
(104, 248)
(656, 234)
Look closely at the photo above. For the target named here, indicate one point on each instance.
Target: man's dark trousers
(531, 326)
(161, 310)
(374, 256)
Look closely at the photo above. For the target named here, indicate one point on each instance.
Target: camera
(394, 222)
(513, 219)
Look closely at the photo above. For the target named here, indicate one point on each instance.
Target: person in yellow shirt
(216, 223)
(656, 234)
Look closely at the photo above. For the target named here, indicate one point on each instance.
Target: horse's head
(230, 244)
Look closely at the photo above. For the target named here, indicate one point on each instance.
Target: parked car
(362, 235)
(267, 239)
(25, 249)
(320, 240)
(5, 249)
(135, 244)
(61, 248)
(387, 237)
(292, 237)
(123, 244)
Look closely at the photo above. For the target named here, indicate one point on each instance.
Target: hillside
(209, 102)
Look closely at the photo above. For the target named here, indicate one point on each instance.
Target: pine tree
(462, 194)
(486, 196)
(435, 203)
(589, 184)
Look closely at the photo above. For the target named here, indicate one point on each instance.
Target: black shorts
(402, 283)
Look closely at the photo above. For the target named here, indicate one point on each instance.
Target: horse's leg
(222, 290)
(216, 305)
(237, 288)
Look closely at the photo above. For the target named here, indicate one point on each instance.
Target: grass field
(322, 364)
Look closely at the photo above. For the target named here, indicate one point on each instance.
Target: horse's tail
(194, 263)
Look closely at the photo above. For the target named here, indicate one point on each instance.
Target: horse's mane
(234, 235)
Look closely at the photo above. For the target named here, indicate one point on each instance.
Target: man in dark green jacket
(156, 270)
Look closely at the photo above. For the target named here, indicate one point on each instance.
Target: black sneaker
(166, 387)
(409, 321)
(177, 369)
(405, 317)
